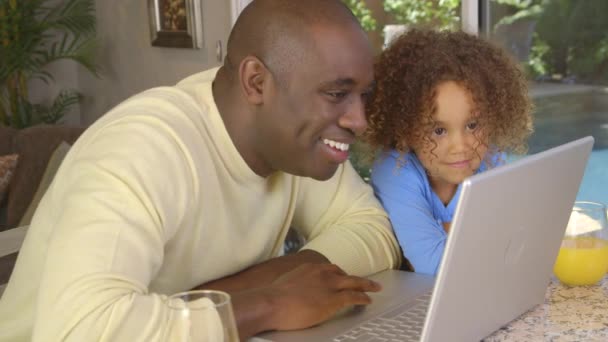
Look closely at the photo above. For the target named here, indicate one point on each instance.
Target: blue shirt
(416, 212)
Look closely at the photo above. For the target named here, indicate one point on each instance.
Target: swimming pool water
(556, 128)
(595, 182)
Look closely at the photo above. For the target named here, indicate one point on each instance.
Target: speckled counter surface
(569, 314)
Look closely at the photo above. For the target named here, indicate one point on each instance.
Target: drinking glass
(203, 315)
(583, 256)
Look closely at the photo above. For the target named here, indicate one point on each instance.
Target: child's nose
(459, 142)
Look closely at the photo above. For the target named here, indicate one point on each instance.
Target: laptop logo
(515, 246)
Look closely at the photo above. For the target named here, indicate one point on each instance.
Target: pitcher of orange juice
(583, 255)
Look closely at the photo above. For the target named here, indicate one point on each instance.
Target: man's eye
(366, 95)
(336, 94)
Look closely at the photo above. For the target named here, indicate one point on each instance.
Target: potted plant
(33, 34)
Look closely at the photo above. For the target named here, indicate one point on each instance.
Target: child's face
(458, 151)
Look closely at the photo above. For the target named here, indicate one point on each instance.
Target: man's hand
(294, 291)
(303, 297)
(313, 293)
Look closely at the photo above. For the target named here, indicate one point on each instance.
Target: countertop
(577, 313)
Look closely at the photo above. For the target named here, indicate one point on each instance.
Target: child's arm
(402, 193)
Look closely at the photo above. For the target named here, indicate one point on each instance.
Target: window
(563, 47)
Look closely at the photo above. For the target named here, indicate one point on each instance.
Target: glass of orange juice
(583, 255)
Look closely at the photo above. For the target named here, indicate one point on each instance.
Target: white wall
(130, 63)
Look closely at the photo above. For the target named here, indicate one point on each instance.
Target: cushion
(3, 214)
(47, 178)
(7, 263)
(35, 145)
(8, 163)
(7, 135)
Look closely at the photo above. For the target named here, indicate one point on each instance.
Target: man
(196, 186)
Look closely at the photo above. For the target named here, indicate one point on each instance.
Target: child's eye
(471, 126)
(439, 131)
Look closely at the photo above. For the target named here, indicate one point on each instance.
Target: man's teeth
(337, 145)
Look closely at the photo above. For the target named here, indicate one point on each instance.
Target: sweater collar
(234, 162)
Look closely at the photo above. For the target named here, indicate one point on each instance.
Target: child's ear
(253, 74)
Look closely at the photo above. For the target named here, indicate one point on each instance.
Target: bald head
(279, 32)
(296, 74)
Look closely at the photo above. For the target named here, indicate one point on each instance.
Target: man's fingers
(312, 293)
(332, 268)
(357, 284)
(349, 297)
(338, 279)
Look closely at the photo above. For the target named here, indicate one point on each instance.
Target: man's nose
(354, 119)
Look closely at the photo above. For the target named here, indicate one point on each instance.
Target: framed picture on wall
(176, 23)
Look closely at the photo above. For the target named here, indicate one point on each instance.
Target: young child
(446, 105)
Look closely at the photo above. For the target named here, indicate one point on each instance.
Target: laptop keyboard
(401, 324)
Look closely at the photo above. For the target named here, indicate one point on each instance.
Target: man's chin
(320, 171)
(324, 174)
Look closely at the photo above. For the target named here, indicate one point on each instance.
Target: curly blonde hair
(401, 107)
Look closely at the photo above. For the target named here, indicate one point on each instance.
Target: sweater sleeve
(402, 193)
(119, 196)
(341, 219)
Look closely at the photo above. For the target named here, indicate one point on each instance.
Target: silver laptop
(497, 263)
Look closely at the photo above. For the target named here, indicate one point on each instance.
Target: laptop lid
(504, 240)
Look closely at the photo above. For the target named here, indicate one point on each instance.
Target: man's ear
(253, 74)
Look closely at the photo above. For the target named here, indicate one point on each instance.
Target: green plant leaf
(34, 33)
(74, 16)
(60, 106)
(533, 12)
(363, 14)
(442, 14)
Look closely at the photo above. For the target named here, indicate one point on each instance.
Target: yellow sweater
(155, 199)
